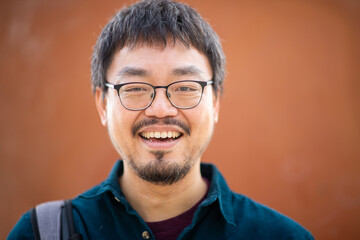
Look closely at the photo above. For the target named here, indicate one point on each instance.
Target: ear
(100, 101)
(216, 107)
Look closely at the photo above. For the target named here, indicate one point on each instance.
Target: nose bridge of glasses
(161, 102)
(166, 90)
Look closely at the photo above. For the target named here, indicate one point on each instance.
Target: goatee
(161, 171)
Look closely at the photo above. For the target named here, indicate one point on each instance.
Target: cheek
(119, 127)
(117, 115)
(201, 120)
(119, 121)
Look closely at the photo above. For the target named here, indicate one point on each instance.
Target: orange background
(288, 135)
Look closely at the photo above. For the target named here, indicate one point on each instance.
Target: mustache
(165, 121)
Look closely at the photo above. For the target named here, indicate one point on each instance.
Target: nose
(161, 106)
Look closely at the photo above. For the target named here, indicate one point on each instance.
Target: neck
(155, 202)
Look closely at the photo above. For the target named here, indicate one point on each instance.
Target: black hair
(154, 23)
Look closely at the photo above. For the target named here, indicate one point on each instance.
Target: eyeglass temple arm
(109, 85)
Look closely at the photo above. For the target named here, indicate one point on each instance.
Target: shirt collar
(219, 191)
(110, 184)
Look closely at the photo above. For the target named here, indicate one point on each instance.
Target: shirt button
(116, 199)
(145, 235)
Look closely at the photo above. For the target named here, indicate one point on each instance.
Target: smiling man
(157, 74)
(160, 114)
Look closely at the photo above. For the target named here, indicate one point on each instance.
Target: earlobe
(216, 108)
(100, 101)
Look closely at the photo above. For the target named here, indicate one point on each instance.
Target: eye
(135, 89)
(185, 89)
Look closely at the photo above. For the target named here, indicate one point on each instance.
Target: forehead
(174, 59)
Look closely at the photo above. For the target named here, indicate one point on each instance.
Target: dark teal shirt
(104, 213)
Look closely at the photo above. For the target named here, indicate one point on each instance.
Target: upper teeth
(168, 134)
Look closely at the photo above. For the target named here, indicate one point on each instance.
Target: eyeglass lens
(185, 94)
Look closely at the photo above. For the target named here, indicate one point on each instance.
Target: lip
(158, 145)
(161, 128)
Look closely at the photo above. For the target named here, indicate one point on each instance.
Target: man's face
(184, 133)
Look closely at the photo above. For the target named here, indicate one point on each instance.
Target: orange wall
(288, 136)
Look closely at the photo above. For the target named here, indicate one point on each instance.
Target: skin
(160, 66)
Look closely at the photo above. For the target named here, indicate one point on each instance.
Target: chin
(162, 170)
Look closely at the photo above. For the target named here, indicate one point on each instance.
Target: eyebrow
(187, 70)
(140, 72)
(132, 71)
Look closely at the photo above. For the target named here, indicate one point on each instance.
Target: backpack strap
(54, 221)
(48, 219)
(67, 223)
(34, 224)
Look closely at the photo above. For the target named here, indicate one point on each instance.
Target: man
(157, 74)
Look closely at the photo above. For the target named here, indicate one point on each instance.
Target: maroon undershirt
(170, 229)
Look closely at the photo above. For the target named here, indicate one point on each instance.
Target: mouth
(163, 136)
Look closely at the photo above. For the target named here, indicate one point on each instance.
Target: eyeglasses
(139, 95)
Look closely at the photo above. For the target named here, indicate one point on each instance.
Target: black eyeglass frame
(118, 86)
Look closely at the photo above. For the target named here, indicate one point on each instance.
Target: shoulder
(22, 229)
(263, 222)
